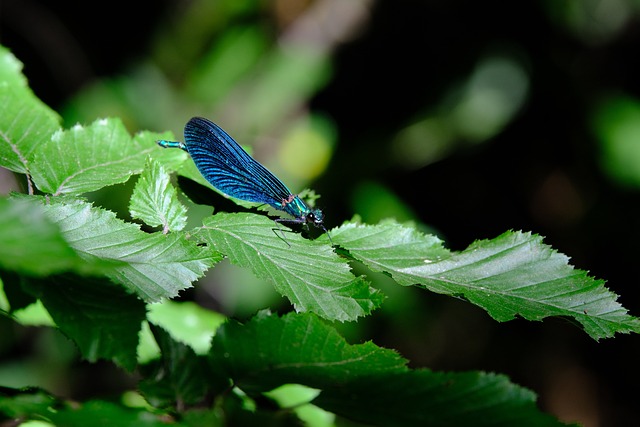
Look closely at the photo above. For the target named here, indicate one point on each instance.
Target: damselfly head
(315, 217)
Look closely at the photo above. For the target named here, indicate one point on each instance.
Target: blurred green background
(465, 118)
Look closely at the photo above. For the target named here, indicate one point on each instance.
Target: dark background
(541, 173)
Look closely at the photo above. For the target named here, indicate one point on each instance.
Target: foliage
(100, 276)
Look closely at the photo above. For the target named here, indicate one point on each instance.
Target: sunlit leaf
(153, 266)
(25, 124)
(34, 315)
(30, 243)
(25, 121)
(84, 159)
(11, 69)
(307, 272)
(187, 322)
(512, 275)
(155, 200)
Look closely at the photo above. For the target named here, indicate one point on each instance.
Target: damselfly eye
(315, 217)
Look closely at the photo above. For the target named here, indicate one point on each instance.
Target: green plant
(107, 284)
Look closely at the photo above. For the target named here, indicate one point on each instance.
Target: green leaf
(187, 322)
(16, 297)
(84, 159)
(155, 200)
(32, 244)
(180, 378)
(512, 275)
(425, 398)
(309, 273)
(364, 382)
(34, 314)
(25, 124)
(25, 121)
(293, 395)
(19, 404)
(36, 407)
(153, 266)
(268, 351)
(11, 69)
(99, 316)
(97, 413)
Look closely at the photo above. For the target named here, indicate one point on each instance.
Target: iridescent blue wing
(229, 168)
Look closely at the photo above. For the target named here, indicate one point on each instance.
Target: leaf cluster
(100, 277)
